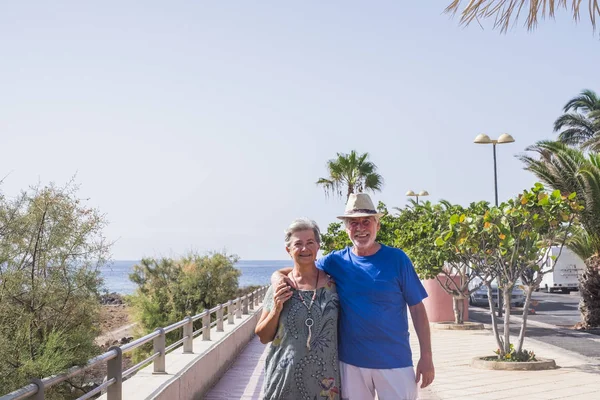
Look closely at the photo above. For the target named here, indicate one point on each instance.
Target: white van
(567, 270)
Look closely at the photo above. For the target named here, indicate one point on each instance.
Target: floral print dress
(292, 370)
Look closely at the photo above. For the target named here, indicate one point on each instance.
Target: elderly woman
(301, 325)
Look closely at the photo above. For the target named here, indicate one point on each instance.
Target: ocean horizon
(254, 272)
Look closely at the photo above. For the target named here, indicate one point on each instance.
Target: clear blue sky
(204, 124)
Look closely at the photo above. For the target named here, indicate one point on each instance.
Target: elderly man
(375, 284)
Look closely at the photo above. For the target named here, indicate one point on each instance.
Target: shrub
(171, 289)
(51, 248)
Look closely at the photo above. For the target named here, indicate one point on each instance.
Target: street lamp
(417, 195)
(482, 138)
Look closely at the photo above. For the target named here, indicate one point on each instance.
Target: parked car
(480, 296)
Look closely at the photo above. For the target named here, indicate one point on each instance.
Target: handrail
(114, 356)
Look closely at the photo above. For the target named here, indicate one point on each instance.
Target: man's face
(362, 231)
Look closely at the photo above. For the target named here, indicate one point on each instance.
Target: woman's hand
(281, 295)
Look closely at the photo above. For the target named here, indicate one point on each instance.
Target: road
(556, 309)
(551, 308)
(554, 314)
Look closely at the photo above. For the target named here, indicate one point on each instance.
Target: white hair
(302, 224)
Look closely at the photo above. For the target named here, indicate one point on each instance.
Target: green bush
(171, 289)
(51, 248)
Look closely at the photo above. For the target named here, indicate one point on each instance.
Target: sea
(254, 272)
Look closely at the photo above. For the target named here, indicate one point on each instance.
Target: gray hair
(302, 224)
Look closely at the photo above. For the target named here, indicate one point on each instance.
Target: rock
(125, 340)
(87, 387)
(111, 299)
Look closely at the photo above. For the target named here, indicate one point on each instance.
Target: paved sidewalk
(577, 377)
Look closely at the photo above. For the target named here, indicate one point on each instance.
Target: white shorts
(390, 384)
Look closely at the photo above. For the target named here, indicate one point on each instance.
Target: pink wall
(439, 303)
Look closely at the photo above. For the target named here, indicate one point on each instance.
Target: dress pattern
(292, 371)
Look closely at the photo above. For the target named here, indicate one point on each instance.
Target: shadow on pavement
(587, 368)
(580, 342)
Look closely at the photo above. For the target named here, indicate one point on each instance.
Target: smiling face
(362, 232)
(303, 247)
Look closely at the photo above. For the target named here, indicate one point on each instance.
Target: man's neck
(369, 251)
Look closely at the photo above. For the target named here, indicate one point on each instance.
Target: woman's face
(303, 247)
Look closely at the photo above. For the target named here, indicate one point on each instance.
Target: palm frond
(580, 125)
(586, 102)
(570, 170)
(503, 12)
(580, 243)
(373, 182)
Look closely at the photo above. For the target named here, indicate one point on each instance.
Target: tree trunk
(589, 305)
(458, 304)
(524, 322)
(350, 191)
(495, 321)
(507, 293)
(500, 303)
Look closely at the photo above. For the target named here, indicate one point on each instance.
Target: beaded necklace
(309, 322)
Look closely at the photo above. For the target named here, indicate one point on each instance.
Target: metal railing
(114, 356)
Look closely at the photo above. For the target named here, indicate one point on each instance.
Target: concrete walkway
(577, 378)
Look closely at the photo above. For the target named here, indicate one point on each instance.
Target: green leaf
(439, 241)
(572, 196)
(454, 219)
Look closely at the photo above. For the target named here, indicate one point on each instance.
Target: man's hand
(425, 370)
(280, 276)
(281, 295)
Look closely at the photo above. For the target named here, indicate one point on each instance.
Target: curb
(451, 326)
(542, 364)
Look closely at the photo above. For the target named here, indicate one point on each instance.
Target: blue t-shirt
(374, 292)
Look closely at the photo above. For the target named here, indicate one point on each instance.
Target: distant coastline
(254, 272)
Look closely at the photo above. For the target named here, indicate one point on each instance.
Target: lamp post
(422, 193)
(482, 138)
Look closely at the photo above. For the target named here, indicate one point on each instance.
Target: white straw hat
(360, 205)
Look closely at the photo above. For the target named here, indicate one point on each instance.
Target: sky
(204, 125)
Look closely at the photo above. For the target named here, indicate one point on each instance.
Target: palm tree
(506, 12)
(351, 173)
(570, 170)
(580, 123)
(579, 242)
